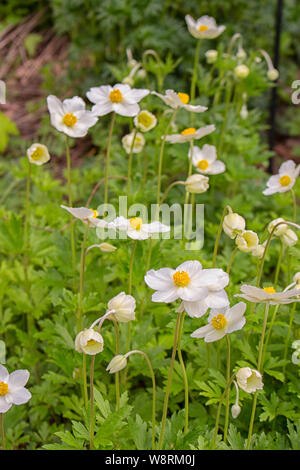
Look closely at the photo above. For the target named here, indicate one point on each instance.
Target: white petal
(193, 268)
(4, 405)
(3, 374)
(165, 296)
(201, 332)
(195, 309)
(162, 279)
(18, 378)
(217, 299)
(19, 396)
(214, 335)
(71, 105)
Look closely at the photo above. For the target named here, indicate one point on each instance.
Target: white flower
(122, 307)
(241, 71)
(268, 294)
(258, 251)
(205, 160)
(211, 56)
(284, 180)
(289, 237)
(189, 134)
(136, 229)
(38, 154)
(179, 100)
(197, 184)
(249, 380)
(222, 322)
(204, 27)
(121, 99)
(247, 241)
(70, 116)
(273, 74)
(296, 354)
(283, 231)
(89, 341)
(235, 410)
(138, 145)
(145, 121)
(244, 112)
(296, 279)
(12, 388)
(233, 225)
(117, 363)
(86, 216)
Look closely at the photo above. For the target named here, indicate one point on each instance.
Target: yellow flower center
(115, 96)
(202, 28)
(95, 213)
(145, 119)
(285, 180)
(219, 322)
(91, 342)
(188, 131)
(69, 119)
(136, 223)
(181, 278)
(37, 154)
(270, 290)
(202, 165)
(184, 97)
(3, 389)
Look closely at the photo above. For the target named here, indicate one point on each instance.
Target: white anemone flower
(12, 388)
(249, 380)
(204, 27)
(190, 134)
(247, 241)
(179, 100)
(38, 154)
(268, 294)
(283, 231)
(138, 144)
(205, 160)
(121, 99)
(284, 180)
(89, 341)
(145, 121)
(136, 229)
(233, 225)
(86, 216)
(222, 322)
(197, 184)
(122, 307)
(70, 116)
(117, 363)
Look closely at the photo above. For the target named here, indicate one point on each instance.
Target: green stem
(224, 125)
(130, 291)
(185, 379)
(153, 398)
(231, 260)
(195, 71)
(270, 330)
(81, 275)
(112, 122)
(288, 336)
(130, 164)
(294, 205)
(70, 199)
(260, 369)
(27, 207)
(2, 432)
(84, 381)
(169, 383)
(92, 424)
(190, 169)
(219, 410)
(175, 183)
(278, 265)
(227, 208)
(117, 377)
(227, 393)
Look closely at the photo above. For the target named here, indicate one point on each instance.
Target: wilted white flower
(247, 241)
(145, 121)
(179, 100)
(204, 27)
(86, 216)
(189, 134)
(222, 322)
(122, 307)
(121, 99)
(197, 184)
(138, 144)
(268, 294)
(136, 229)
(12, 388)
(211, 56)
(38, 154)
(70, 116)
(89, 341)
(284, 180)
(233, 225)
(117, 363)
(249, 380)
(241, 71)
(205, 160)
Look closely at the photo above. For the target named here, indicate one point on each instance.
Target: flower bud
(235, 410)
(141, 73)
(197, 184)
(241, 71)
(244, 112)
(273, 74)
(118, 363)
(123, 307)
(128, 81)
(145, 121)
(211, 56)
(233, 225)
(107, 247)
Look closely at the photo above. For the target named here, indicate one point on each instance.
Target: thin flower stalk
(70, 200)
(185, 379)
(106, 173)
(81, 282)
(92, 423)
(195, 73)
(227, 208)
(128, 339)
(287, 340)
(228, 389)
(231, 259)
(130, 164)
(2, 432)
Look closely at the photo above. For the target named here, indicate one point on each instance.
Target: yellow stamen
(219, 322)
(136, 223)
(145, 119)
(115, 96)
(270, 290)
(91, 342)
(3, 389)
(202, 28)
(285, 180)
(37, 154)
(188, 131)
(181, 278)
(69, 119)
(202, 165)
(184, 97)
(95, 213)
